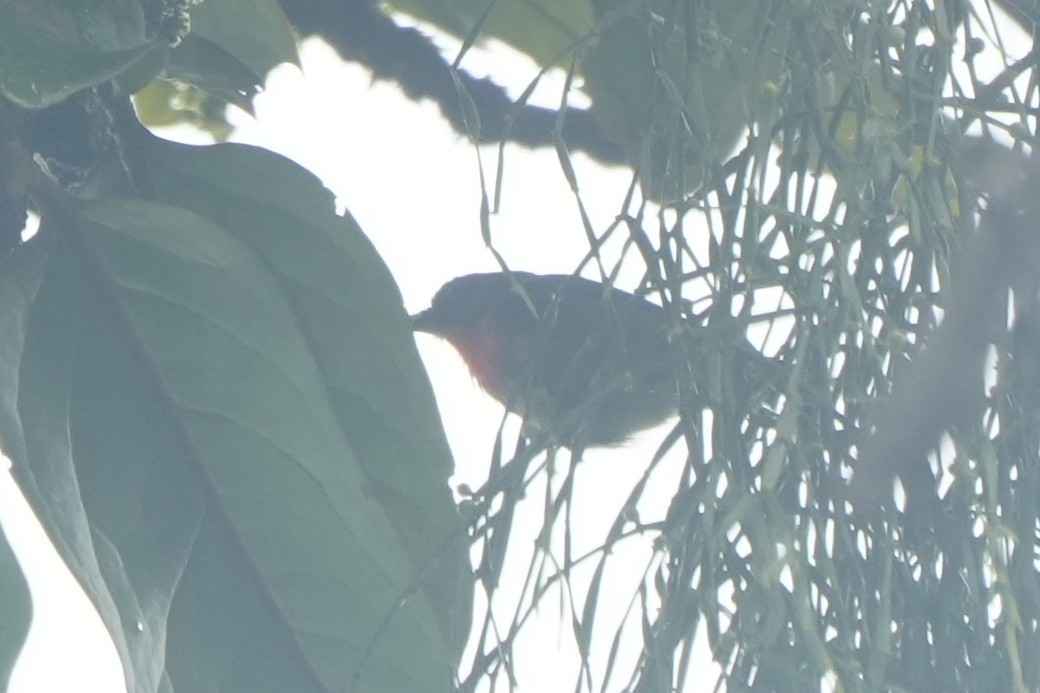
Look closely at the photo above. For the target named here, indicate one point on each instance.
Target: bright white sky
(413, 185)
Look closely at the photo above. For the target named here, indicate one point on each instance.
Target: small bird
(584, 363)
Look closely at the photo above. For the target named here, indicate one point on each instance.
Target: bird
(584, 363)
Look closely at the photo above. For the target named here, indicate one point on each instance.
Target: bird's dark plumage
(585, 363)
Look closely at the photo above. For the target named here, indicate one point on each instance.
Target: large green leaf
(255, 32)
(37, 351)
(49, 50)
(350, 309)
(202, 64)
(184, 442)
(18, 285)
(232, 46)
(16, 607)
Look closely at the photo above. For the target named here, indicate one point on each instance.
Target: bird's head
(487, 320)
(584, 362)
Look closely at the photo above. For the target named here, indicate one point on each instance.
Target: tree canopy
(212, 399)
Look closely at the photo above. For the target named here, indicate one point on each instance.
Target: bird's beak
(421, 321)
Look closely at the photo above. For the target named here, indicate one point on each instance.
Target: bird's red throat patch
(485, 350)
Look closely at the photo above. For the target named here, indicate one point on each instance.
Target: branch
(360, 32)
